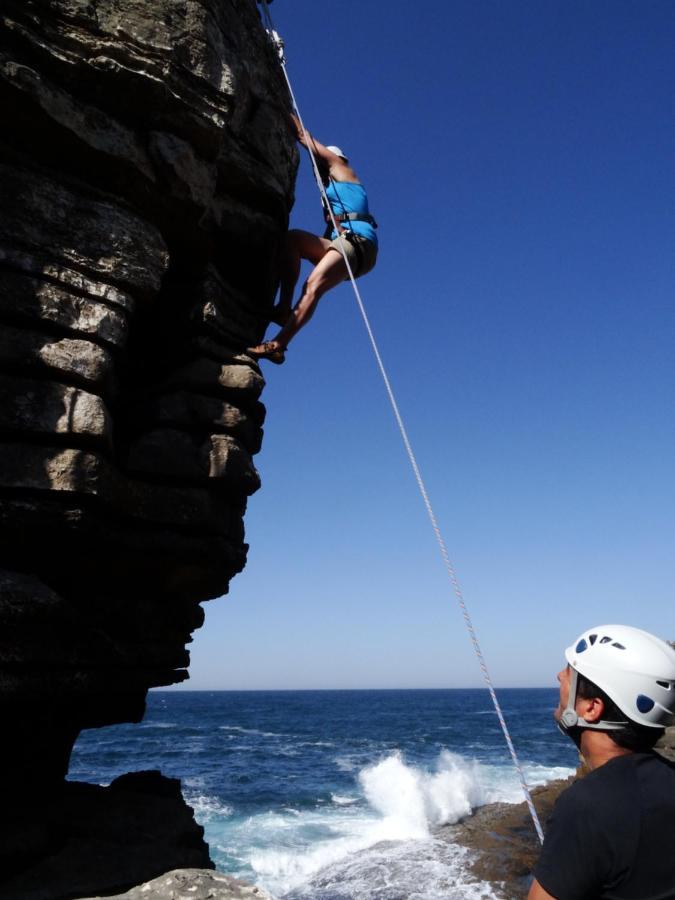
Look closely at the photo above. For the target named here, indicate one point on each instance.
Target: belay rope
(278, 43)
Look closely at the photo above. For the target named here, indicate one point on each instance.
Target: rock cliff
(146, 177)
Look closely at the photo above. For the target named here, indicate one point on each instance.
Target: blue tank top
(346, 197)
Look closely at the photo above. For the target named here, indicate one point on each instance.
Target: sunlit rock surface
(196, 884)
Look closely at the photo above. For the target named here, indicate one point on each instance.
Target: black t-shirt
(612, 834)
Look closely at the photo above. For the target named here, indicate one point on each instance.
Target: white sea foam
(345, 764)
(404, 804)
(315, 744)
(208, 809)
(239, 730)
(339, 800)
(351, 844)
(282, 869)
(287, 751)
(158, 725)
(416, 870)
(193, 782)
(502, 784)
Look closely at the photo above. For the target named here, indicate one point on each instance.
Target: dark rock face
(146, 177)
(89, 838)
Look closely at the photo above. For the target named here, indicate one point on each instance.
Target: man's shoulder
(611, 782)
(605, 782)
(631, 765)
(595, 832)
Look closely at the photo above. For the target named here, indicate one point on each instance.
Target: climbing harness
(331, 217)
(278, 43)
(355, 217)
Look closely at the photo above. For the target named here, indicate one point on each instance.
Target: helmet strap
(572, 724)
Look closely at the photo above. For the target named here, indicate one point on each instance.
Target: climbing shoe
(268, 350)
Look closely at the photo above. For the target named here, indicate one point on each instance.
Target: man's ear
(591, 710)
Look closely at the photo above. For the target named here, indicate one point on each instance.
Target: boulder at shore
(197, 884)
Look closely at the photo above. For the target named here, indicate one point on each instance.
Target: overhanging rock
(146, 178)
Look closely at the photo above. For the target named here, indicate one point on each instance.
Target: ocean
(337, 795)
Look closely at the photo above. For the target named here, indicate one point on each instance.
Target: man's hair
(638, 738)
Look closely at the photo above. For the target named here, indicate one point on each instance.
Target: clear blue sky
(519, 159)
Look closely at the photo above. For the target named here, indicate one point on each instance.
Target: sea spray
(411, 800)
(402, 804)
(303, 792)
(393, 790)
(454, 790)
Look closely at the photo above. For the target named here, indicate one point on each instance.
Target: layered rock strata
(146, 177)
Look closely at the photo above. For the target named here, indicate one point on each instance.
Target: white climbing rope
(276, 40)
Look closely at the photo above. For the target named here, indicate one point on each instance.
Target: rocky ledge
(503, 841)
(197, 884)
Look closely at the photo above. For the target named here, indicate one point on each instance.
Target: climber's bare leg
(299, 245)
(328, 272)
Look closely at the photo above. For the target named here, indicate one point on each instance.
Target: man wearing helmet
(608, 832)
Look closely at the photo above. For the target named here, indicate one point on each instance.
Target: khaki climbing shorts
(361, 253)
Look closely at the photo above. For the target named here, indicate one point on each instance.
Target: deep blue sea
(337, 795)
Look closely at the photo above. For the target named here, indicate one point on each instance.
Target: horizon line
(278, 690)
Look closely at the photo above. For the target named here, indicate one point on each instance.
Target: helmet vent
(592, 638)
(605, 640)
(644, 704)
(618, 645)
(665, 684)
(581, 646)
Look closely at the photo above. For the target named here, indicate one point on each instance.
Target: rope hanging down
(274, 37)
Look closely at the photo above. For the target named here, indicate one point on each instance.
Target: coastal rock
(31, 301)
(146, 179)
(39, 408)
(100, 839)
(503, 841)
(666, 746)
(63, 359)
(196, 884)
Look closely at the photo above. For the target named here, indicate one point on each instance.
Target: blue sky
(519, 160)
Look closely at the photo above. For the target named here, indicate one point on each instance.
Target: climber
(605, 837)
(355, 236)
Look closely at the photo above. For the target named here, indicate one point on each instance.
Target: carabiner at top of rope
(278, 42)
(272, 34)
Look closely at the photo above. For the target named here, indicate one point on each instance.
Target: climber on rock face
(356, 236)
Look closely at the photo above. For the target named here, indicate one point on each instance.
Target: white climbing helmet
(635, 669)
(337, 152)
